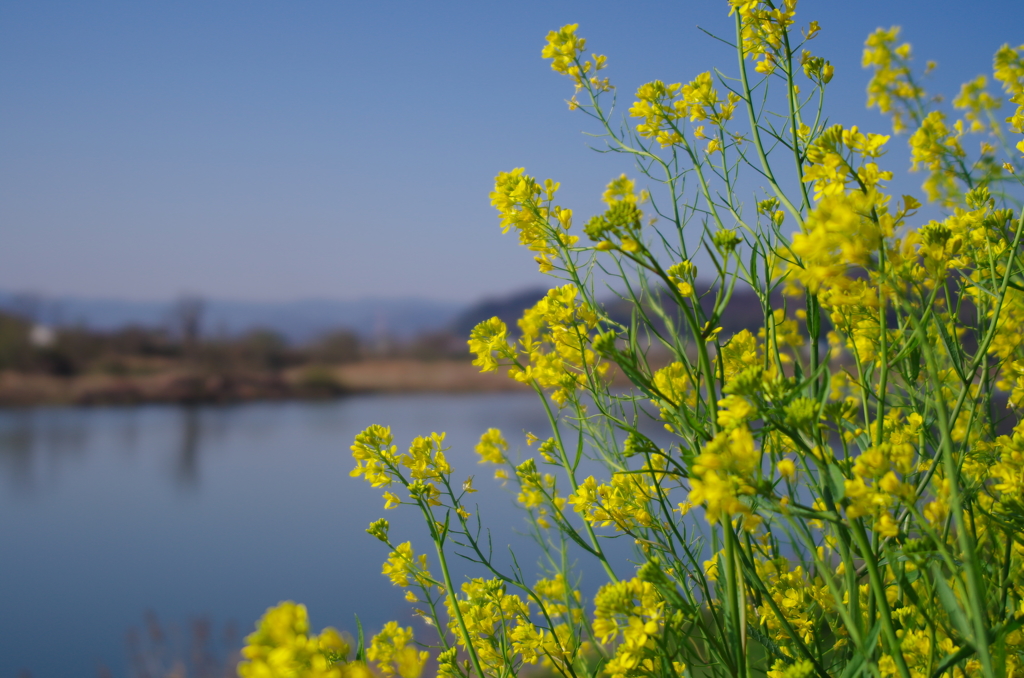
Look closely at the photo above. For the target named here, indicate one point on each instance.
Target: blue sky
(281, 150)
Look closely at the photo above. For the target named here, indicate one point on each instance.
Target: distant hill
(509, 308)
(744, 310)
(298, 320)
(305, 319)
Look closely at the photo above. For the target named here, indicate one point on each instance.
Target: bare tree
(187, 317)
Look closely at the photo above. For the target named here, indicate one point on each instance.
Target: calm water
(108, 513)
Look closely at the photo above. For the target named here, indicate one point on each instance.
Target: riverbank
(191, 385)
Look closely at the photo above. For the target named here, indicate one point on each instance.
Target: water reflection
(219, 512)
(38, 448)
(36, 444)
(196, 649)
(209, 511)
(16, 443)
(187, 466)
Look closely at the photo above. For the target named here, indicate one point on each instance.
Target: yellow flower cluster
(849, 229)
(374, 455)
(839, 234)
(935, 146)
(403, 566)
(661, 106)
(555, 343)
(527, 206)
(817, 68)
(565, 48)
(619, 227)
(975, 100)
(878, 472)
(538, 493)
(1009, 70)
(656, 104)
(676, 394)
(426, 460)
(802, 602)
(492, 447)
(829, 166)
(378, 461)
(683, 274)
(498, 624)
(558, 598)
(625, 502)
(394, 652)
(963, 240)
(801, 605)
(553, 350)
(725, 470)
(1005, 477)
(634, 610)
(282, 647)
(764, 28)
(739, 354)
(489, 342)
(859, 485)
(891, 86)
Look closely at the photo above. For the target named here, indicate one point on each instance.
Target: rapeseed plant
(843, 493)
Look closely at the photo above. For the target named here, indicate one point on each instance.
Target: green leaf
(862, 655)
(952, 347)
(839, 480)
(360, 643)
(966, 651)
(950, 604)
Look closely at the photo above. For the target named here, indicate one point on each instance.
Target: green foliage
(842, 490)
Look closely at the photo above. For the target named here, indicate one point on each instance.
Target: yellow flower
(283, 646)
(403, 563)
(374, 455)
(763, 27)
(787, 469)
(393, 652)
(891, 87)
(488, 338)
(935, 146)
(1008, 69)
(657, 104)
(886, 526)
(526, 205)
(492, 447)
(564, 48)
(975, 100)
(711, 569)
(556, 342)
(426, 459)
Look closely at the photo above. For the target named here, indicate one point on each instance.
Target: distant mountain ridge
(299, 320)
(303, 320)
(508, 307)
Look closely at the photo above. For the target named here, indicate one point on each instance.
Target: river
(202, 517)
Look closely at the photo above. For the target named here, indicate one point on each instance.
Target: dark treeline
(180, 362)
(69, 351)
(28, 347)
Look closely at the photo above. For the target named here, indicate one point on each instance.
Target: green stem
(755, 130)
(878, 588)
(975, 585)
(450, 588)
(572, 481)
